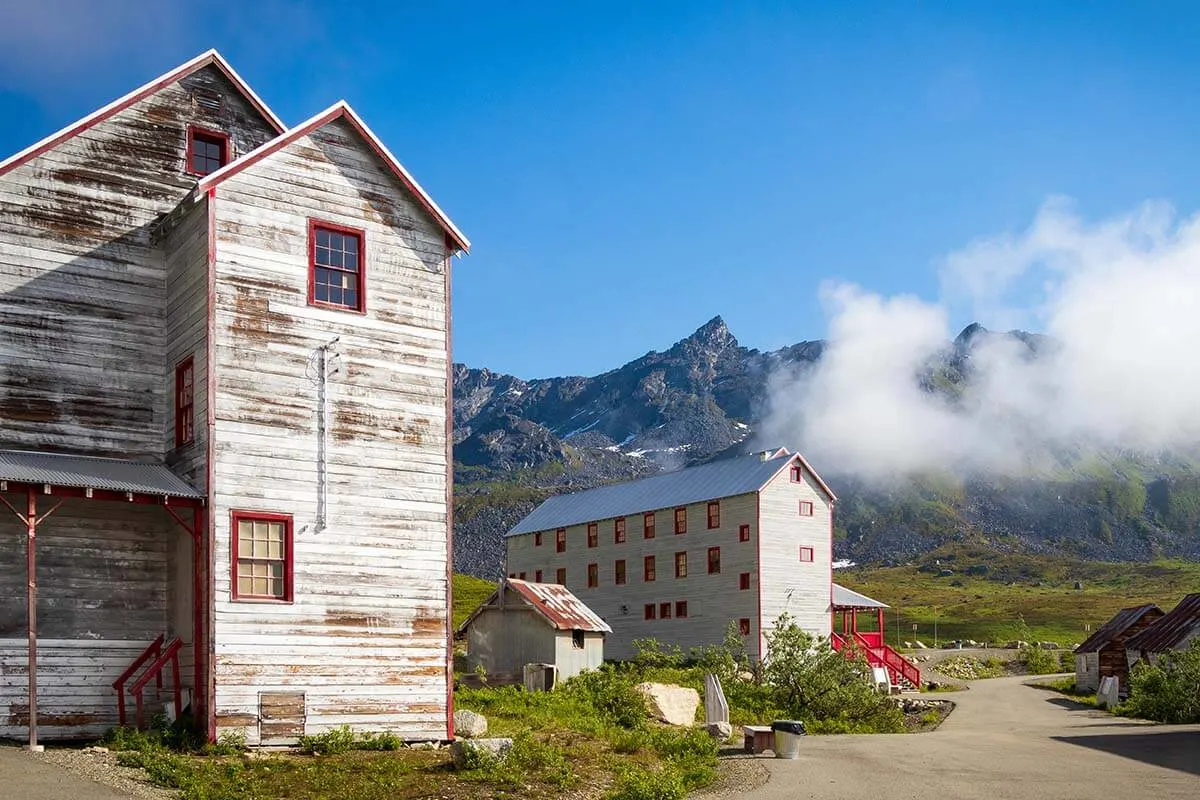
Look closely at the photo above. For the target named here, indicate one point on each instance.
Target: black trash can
(787, 737)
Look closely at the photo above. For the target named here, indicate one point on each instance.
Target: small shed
(1102, 654)
(1175, 630)
(533, 623)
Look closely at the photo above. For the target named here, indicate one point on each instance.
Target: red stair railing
(168, 656)
(153, 650)
(883, 655)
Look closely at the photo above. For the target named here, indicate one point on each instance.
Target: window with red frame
(619, 572)
(651, 611)
(744, 626)
(743, 533)
(560, 540)
(681, 520)
(618, 530)
(185, 409)
(648, 569)
(512, 574)
(714, 560)
(537, 576)
(561, 576)
(521, 576)
(714, 514)
(207, 151)
(681, 565)
(593, 575)
(648, 525)
(537, 540)
(806, 508)
(797, 474)
(806, 554)
(262, 556)
(593, 531)
(336, 268)
(680, 609)
(744, 581)
(664, 610)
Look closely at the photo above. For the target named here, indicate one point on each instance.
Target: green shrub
(1168, 691)
(609, 691)
(638, 783)
(330, 743)
(1038, 661)
(230, 743)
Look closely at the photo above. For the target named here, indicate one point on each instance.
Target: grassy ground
(469, 593)
(989, 593)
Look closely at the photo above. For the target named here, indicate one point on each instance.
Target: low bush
(1168, 691)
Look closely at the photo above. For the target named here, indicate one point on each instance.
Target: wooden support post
(31, 602)
(879, 623)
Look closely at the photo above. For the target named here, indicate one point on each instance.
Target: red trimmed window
(714, 560)
(593, 534)
(537, 540)
(618, 530)
(806, 554)
(681, 565)
(664, 610)
(262, 556)
(335, 266)
(744, 626)
(185, 409)
(680, 609)
(714, 514)
(537, 576)
(521, 576)
(207, 151)
(560, 540)
(806, 508)
(743, 533)
(744, 582)
(512, 574)
(619, 572)
(648, 525)
(681, 520)
(593, 575)
(797, 474)
(648, 569)
(651, 611)
(561, 576)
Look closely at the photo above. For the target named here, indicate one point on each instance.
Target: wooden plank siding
(365, 638)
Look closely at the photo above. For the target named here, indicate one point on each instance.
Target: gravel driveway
(1004, 741)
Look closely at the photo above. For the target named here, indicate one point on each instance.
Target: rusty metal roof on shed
(725, 478)
(848, 598)
(1120, 623)
(87, 472)
(556, 604)
(1171, 629)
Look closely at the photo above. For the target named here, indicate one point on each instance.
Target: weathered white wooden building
(224, 393)
(677, 557)
(533, 623)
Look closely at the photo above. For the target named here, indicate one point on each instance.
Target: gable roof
(1121, 622)
(848, 598)
(556, 604)
(86, 472)
(1171, 629)
(340, 110)
(211, 57)
(712, 481)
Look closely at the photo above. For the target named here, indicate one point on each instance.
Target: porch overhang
(849, 600)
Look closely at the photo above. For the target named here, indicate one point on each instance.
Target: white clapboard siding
(365, 638)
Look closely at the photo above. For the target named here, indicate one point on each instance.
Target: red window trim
(714, 566)
(664, 610)
(537, 576)
(313, 224)
(681, 609)
(681, 573)
(648, 525)
(512, 575)
(222, 138)
(537, 539)
(714, 514)
(744, 582)
(680, 521)
(806, 555)
(806, 508)
(560, 576)
(288, 588)
(593, 575)
(649, 575)
(185, 411)
(743, 533)
(593, 534)
(619, 575)
(797, 473)
(619, 530)
(521, 576)
(560, 540)
(650, 611)
(744, 626)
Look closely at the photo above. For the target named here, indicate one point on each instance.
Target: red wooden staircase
(158, 657)
(901, 672)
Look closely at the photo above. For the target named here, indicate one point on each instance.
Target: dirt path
(24, 776)
(1005, 741)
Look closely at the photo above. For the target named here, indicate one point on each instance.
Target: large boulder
(674, 705)
(470, 753)
(721, 731)
(470, 725)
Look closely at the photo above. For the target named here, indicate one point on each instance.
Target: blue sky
(628, 170)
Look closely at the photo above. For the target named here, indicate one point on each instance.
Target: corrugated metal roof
(1171, 629)
(86, 472)
(848, 598)
(559, 606)
(724, 478)
(1115, 627)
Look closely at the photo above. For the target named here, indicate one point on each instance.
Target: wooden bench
(758, 738)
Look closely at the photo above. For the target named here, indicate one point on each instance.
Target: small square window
(619, 572)
(512, 574)
(806, 508)
(806, 554)
(651, 611)
(744, 582)
(743, 533)
(648, 525)
(648, 569)
(714, 560)
(619, 530)
(521, 576)
(714, 514)
(537, 576)
(262, 556)
(681, 520)
(681, 565)
(336, 266)
(577, 640)
(537, 540)
(680, 609)
(593, 534)
(744, 626)
(560, 540)
(207, 151)
(561, 576)
(664, 610)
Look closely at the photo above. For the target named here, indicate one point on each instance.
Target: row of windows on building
(650, 569)
(655, 611)
(649, 527)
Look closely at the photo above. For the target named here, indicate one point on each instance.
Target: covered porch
(864, 634)
(102, 585)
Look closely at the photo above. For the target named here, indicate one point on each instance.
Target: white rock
(497, 749)
(674, 705)
(721, 731)
(469, 724)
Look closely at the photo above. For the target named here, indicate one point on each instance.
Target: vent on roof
(207, 98)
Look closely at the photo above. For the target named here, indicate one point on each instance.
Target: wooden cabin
(225, 392)
(1102, 654)
(533, 623)
(1172, 632)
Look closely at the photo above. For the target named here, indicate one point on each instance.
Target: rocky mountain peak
(713, 335)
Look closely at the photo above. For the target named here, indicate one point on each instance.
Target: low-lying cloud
(1120, 301)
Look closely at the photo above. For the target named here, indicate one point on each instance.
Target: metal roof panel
(848, 598)
(1120, 623)
(1171, 630)
(88, 472)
